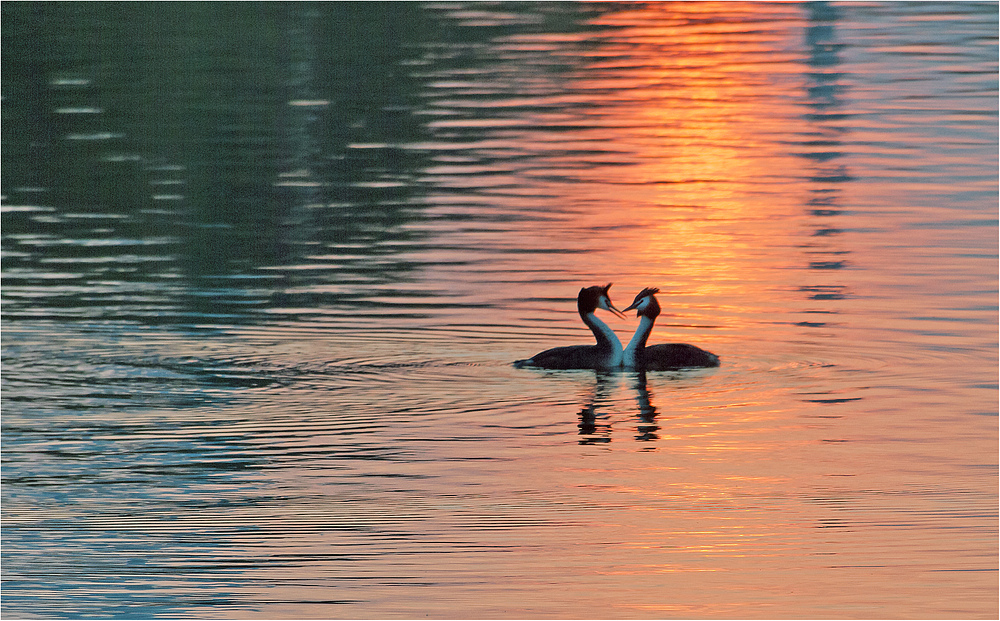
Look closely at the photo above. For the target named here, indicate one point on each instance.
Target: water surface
(266, 267)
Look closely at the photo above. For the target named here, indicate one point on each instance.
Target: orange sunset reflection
(693, 178)
(669, 155)
(707, 127)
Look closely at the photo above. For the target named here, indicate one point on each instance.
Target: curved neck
(607, 340)
(638, 342)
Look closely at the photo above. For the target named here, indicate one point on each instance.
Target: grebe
(659, 357)
(607, 354)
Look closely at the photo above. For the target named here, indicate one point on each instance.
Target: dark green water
(265, 268)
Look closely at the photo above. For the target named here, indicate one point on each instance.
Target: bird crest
(648, 291)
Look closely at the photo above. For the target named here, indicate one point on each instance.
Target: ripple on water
(272, 376)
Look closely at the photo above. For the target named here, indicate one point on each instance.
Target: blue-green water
(266, 267)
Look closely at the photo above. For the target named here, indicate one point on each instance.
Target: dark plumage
(667, 356)
(568, 357)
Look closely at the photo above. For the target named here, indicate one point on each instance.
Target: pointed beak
(633, 305)
(611, 307)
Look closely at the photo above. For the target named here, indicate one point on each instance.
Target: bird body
(637, 355)
(670, 356)
(606, 354)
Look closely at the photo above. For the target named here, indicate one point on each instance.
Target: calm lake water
(266, 267)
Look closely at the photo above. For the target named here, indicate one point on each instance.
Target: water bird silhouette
(606, 354)
(667, 356)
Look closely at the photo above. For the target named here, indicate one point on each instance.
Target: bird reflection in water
(600, 433)
(647, 411)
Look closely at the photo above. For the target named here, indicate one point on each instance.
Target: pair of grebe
(608, 352)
